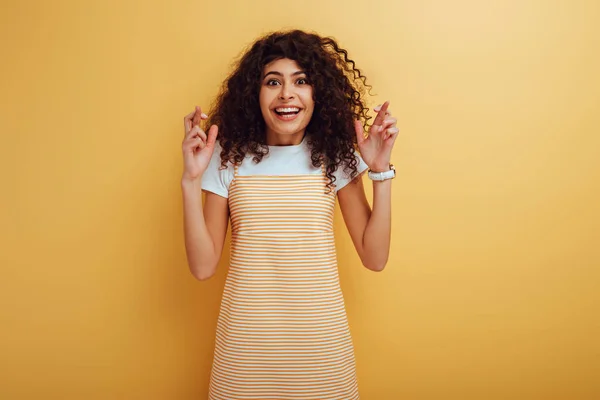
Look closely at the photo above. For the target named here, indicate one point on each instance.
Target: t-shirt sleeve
(343, 178)
(216, 179)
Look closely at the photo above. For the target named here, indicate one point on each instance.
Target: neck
(277, 139)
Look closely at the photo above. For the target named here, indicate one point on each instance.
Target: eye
(302, 81)
(272, 82)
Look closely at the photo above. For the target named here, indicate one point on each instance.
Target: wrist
(191, 183)
(380, 165)
(380, 168)
(380, 173)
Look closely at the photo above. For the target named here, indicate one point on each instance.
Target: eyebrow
(280, 74)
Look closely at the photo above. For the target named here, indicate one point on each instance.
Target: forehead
(283, 65)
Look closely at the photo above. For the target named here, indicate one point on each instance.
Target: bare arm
(370, 230)
(205, 228)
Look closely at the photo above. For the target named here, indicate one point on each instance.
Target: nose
(286, 92)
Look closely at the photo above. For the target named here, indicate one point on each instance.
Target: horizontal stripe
(282, 345)
(252, 329)
(297, 222)
(281, 381)
(315, 384)
(298, 370)
(286, 395)
(339, 386)
(282, 267)
(291, 299)
(283, 253)
(262, 298)
(284, 359)
(250, 244)
(282, 279)
(283, 311)
(321, 238)
(280, 237)
(275, 376)
(283, 257)
(266, 354)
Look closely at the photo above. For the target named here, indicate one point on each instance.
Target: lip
(286, 118)
(287, 106)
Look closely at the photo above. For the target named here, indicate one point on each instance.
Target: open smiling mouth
(287, 113)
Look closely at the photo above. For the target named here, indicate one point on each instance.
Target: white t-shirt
(281, 160)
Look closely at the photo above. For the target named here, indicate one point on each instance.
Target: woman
(288, 120)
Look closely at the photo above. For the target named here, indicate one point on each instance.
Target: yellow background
(492, 288)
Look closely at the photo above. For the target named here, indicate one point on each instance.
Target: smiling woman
(286, 102)
(290, 120)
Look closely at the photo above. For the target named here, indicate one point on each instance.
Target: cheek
(264, 101)
(308, 100)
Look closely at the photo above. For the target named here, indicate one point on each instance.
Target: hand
(376, 148)
(197, 146)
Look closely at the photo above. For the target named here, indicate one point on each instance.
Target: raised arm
(371, 229)
(205, 226)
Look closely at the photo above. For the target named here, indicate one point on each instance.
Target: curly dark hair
(338, 94)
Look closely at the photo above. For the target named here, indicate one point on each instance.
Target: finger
(381, 114)
(201, 133)
(212, 135)
(389, 122)
(376, 109)
(192, 132)
(387, 113)
(187, 122)
(360, 132)
(196, 131)
(193, 144)
(393, 131)
(197, 116)
(389, 127)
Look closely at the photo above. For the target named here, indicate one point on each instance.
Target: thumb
(212, 135)
(360, 132)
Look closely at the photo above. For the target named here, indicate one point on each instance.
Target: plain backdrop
(491, 290)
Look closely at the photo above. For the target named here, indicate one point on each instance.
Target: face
(286, 102)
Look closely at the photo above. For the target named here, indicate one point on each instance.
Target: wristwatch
(382, 176)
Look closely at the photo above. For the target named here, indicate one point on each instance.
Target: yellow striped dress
(282, 331)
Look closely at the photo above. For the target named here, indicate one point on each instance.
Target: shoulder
(216, 179)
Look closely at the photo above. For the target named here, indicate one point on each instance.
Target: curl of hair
(338, 94)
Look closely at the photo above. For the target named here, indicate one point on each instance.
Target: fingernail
(204, 115)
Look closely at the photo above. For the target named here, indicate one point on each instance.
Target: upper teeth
(288, 109)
